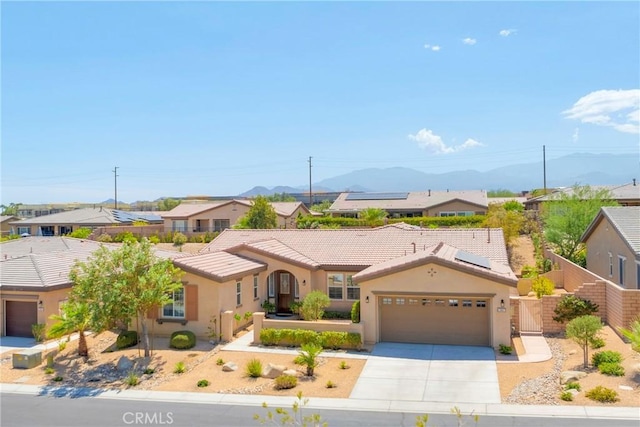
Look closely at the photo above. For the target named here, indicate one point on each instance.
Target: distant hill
(593, 169)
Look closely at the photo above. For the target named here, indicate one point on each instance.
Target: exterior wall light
(40, 306)
(304, 282)
(367, 299)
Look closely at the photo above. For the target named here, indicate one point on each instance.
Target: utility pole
(115, 184)
(310, 193)
(544, 168)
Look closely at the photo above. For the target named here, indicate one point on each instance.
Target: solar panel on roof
(473, 259)
(377, 196)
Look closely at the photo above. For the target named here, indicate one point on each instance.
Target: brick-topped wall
(549, 303)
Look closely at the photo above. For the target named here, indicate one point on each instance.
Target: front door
(284, 283)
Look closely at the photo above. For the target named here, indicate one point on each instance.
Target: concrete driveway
(429, 373)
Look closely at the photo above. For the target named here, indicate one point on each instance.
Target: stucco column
(226, 326)
(258, 318)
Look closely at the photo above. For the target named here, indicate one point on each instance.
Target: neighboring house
(625, 195)
(5, 227)
(63, 223)
(34, 279)
(447, 286)
(218, 216)
(613, 245)
(412, 204)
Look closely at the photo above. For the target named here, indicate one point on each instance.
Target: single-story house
(613, 245)
(5, 227)
(412, 204)
(62, 223)
(218, 216)
(625, 194)
(415, 285)
(34, 278)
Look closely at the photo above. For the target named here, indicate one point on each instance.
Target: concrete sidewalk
(536, 349)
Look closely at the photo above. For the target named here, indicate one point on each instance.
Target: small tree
(314, 304)
(168, 204)
(261, 215)
(308, 357)
(75, 317)
(542, 286)
(583, 330)
(571, 306)
(633, 334)
(179, 239)
(373, 216)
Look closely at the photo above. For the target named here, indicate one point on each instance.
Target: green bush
(542, 286)
(505, 349)
(203, 383)
(331, 384)
(529, 272)
(125, 236)
(567, 396)
(333, 340)
(300, 337)
(132, 380)
(607, 356)
(154, 240)
(126, 339)
(572, 386)
(269, 336)
(343, 365)
(354, 340)
(49, 371)
(285, 382)
(220, 361)
(603, 394)
(355, 312)
(81, 233)
(105, 238)
(571, 306)
(611, 369)
(180, 368)
(314, 304)
(597, 342)
(183, 340)
(344, 315)
(149, 371)
(254, 368)
(57, 378)
(39, 331)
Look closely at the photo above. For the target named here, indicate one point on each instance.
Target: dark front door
(284, 283)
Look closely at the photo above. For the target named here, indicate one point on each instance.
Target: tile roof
(625, 219)
(441, 254)
(88, 216)
(621, 193)
(364, 247)
(287, 208)
(4, 218)
(416, 200)
(220, 266)
(277, 249)
(185, 210)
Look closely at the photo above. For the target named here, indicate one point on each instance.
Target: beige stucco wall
(604, 240)
(454, 206)
(445, 282)
(50, 303)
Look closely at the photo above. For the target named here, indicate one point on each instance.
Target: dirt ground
(191, 248)
(510, 375)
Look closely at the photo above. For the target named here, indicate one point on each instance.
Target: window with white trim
(175, 309)
(622, 261)
(238, 293)
(399, 301)
(353, 289)
(179, 225)
(386, 301)
(255, 286)
(335, 285)
(610, 264)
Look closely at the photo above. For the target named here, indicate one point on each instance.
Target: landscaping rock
(569, 376)
(292, 372)
(573, 391)
(273, 371)
(572, 352)
(625, 387)
(124, 364)
(229, 367)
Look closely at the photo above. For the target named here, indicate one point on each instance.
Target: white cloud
(619, 109)
(469, 41)
(433, 47)
(507, 33)
(576, 135)
(433, 143)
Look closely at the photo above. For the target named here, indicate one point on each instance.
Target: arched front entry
(283, 290)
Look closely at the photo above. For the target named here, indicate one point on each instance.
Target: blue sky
(214, 98)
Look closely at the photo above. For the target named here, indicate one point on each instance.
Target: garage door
(20, 315)
(454, 320)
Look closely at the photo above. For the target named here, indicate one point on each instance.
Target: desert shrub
(571, 306)
(529, 272)
(154, 240)
(308, 357)
(81, 233)
(285, 382)
(314, 304)
(567, 396)
(180, 368)
(505, 349)
(607, 356)
(355, 312)
(247, 316)
(125, 236)
(149, 371)
(39, 331)
(333, 340)
(354, 340)
(597, 342)
(269, 336)
(602, 394)
(105, 238)
(633, 333)
(126, 339)
(254, 368)
(132, 380)
(179, 239)
(611, 369)
(343, 365)
(295, 307)
(203, 383)
(331, 384)
(343, 315)
(49, 371)
(183, 340)
(220, 361)
(542, 286)
(62, 345)
(573, 385)
(57, 378)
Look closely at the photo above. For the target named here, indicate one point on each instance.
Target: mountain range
(579, 168)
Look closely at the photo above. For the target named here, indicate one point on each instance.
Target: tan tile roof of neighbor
(90, 216)
(364, 247)
(287, 208)
(417, 200)
(621, 193)
(220, 266)
(441, 254)
(185, 210)
(44, 263)
(625, 219)
(277, 249)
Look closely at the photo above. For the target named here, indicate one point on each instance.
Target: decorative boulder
(291, 372)
(273, 371)
(124, 364)
(229, 367)
(569, 376)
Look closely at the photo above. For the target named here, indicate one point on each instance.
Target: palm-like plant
(75, 317)
(308, 357)
(633, 334)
